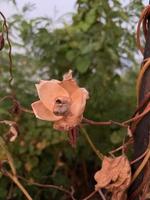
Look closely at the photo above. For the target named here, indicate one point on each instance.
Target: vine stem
(13, 173)
(107, 123)
(10, 49)
(8, 155)
(101, 194)
(97, 152)
(142, 165)
(19, 185)
(60, 188)
(90, 195)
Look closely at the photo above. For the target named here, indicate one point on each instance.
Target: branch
(97, 152)
(130, 141)
(19, 185)
(90, 195)
(142, 165)
(108, 123)
(101, 194)
(60, 188)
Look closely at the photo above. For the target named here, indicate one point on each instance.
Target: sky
(45, 8)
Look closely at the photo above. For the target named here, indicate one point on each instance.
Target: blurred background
(96, 39)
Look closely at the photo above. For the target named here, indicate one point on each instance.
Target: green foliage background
(99, 46)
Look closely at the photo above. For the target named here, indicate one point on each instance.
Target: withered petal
(69, 83)
(79, 98)
(49, 91)
(43, 113)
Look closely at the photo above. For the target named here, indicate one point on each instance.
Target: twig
(12, 176)
(136, 117)
(15, 100)
(108, 123)
(90, 195)
(7, 97)
(101, 194)
(139, 158)
(142, 165)
(60, 188)
(97, 152)
(130, 141)
(8, 156)
(10, 50)
(19, 185)
(26, 110)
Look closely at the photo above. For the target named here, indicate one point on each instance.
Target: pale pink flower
(62, 102)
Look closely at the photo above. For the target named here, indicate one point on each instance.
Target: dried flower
(62, 102)
(115, 176)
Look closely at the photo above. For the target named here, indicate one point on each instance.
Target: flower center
(62, 106)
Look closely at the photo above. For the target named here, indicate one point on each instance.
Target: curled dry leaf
(115, 176)
(13, 130)
(62, 102)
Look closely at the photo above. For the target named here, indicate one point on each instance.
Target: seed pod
(2, 42)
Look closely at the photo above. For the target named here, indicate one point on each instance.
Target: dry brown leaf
(115, 176)
(13, 130)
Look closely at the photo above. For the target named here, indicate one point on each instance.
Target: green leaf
(87, 48)
(82, 64)
(70, 55)
(91, 16)
(84, 26)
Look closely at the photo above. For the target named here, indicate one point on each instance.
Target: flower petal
(79, 98)
(69, 83)
(43, 113)
(52, 80)
(49, 91)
